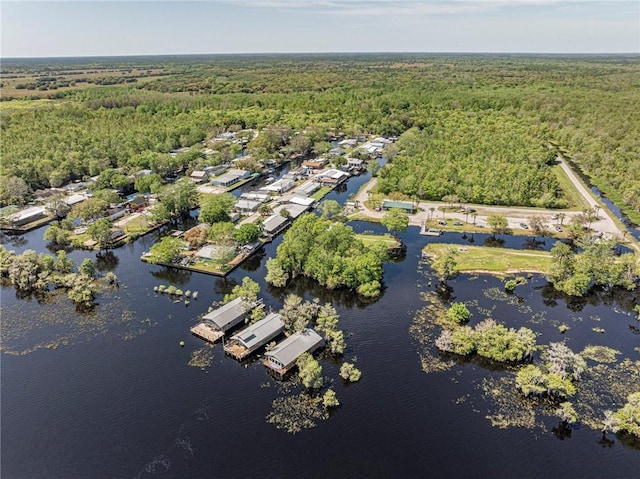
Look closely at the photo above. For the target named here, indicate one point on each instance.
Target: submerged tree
(309, 371)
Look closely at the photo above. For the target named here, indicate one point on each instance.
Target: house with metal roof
(247, 206)
(215, 324)
(402, 205)
(307, 188)
(284, 356)
(274, 224)
(255, 336)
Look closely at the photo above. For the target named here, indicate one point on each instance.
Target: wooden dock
(277, 372)
(236, 350)
(206, 332)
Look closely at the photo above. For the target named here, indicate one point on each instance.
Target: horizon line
(325, 53)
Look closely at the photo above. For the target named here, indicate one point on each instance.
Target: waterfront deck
(278, 372)
(236, 350)
(206, 332)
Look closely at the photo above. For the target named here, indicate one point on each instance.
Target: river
(112, 395)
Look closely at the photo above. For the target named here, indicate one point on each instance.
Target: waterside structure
(255, 336)
(283, 357)
(215, 324)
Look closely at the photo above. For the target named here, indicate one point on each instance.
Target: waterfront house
(332, 177)
(274, 224)
(316, 164)
(256, 196)
(27, 215)
(307, 189)
(216, 323)
(279, 186)
(284, 356)
(255, 336)
(230, 177)
(247, 206)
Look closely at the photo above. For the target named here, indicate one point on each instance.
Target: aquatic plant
(329, 399)
(350, 373)
(600, 354)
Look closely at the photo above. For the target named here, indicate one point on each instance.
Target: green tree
(498, 223)
(167, 250)
(148, 183)
(627, 418)
(350, 373)
(87, 268)
(247, 233)
(223, 233)
(329, 399)
(89, 209)
(309, 372)
(13, 191)
(57, 235)
(276, 274)
(458, 313)
(445, 265)
(100, 231)
(395, 220)
(216, 208)
(329, 208)
(180, 197)
(248, 290)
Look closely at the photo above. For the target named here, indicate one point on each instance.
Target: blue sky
(88, 28)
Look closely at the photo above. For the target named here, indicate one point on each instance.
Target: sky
(96, 28)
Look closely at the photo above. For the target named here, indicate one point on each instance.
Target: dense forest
(484, 128)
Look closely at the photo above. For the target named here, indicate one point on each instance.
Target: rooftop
(291, 348)
(253, 336)
(228, 313)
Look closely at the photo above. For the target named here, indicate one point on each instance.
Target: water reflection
(173, 275)
(106, 261)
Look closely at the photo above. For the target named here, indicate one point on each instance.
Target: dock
(206, 332)
(430, 231)
(236, 351)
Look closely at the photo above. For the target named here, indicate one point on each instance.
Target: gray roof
(273, 222)
(291, 348)
(226, 316)
(257, 334)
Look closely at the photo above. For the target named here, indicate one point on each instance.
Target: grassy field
(573, 196)
(321, 193)
(499, 261)
(388, 240)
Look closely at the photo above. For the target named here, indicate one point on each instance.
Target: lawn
(573, 196)
(499, 261)
(370, 239)
(321, 193)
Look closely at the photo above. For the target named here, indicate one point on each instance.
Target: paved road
(515, 216)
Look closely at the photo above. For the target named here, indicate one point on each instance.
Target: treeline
(486, 157)
(483, 114)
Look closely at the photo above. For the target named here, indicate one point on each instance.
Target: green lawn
(573, 196)
(321, 193)
(494, 260)
(388, 240)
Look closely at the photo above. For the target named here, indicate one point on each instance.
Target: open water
(112, 394)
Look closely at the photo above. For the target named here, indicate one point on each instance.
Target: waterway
(111, 394)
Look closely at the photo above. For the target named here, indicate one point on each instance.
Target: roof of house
(228, 313)
(333, 173)
(291, 348)
(248, 204)
(403, 205)
(273, 222)
(302, 200)
(263, 330)
(294, 209)
(27, 213)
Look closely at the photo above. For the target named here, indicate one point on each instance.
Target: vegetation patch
(600, 354)
(500, 261)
